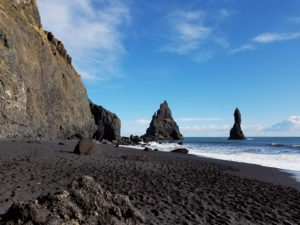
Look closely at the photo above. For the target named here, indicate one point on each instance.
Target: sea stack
(163, 126)
(236, 132)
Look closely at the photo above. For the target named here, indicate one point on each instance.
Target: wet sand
(167, 188)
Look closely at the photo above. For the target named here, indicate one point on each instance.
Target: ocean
(278, 152)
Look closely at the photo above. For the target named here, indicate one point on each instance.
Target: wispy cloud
(272, 37)
(189, 31)
(246, 47)
(194, 32)
(91, 32)
(294, 19)
(142, 122)
(212, 127)
(266, 38)
(192, 119)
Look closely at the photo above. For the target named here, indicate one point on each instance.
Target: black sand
(167, 188)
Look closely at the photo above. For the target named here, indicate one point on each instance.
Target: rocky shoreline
(165, 188)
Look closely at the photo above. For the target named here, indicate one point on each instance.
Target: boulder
(163, 126)
(136, 139)
(181, 150)
(41, 94)
(109, 125)
(146, 149)
(125, 141)
(236, 132)
(86, 147)
(84, 202)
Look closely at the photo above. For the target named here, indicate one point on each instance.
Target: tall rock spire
(236, 132)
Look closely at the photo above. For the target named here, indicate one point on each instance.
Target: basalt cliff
(41, 94)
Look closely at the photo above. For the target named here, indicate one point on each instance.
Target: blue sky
(205, 57)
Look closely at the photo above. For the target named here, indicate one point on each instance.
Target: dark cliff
(109, 125)
(41, 94)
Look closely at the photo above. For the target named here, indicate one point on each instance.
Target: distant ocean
(279, 152)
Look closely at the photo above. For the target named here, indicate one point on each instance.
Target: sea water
(278, 152)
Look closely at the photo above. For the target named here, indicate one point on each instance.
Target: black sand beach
(167, 188)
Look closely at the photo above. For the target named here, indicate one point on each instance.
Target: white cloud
(191, 30)
(191, 119)
(243, 48)
(212, 127)
(91, 32)
(272, 37)
(291, 124)
(142, 122)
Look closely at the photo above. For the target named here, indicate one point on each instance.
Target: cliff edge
(41, 94)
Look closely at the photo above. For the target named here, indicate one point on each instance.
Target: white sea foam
(285, 161)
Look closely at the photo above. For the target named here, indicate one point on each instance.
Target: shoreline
(246, 169)
(272, 175)
(167, 188)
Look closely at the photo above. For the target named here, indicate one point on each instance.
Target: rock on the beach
(163, 126)
(86, 147)
(146, 149)
(135, 139)
(109, 125)
(236, 132)
(84, 202)
(181, 150)
(41, 94)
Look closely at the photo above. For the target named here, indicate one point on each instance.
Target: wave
(279, 145)
(278, 159)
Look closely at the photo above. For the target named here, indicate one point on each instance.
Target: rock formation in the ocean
(84, 202)
(236, 132)
(109, 125)
(41, 94)
(163, 126)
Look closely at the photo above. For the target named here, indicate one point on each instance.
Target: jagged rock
(163, 126)
(84, 202)
(59, 47)
(181, 150)
(236, 132)
(109, 125)
(86, 147)
(41, 94)
(136, 139)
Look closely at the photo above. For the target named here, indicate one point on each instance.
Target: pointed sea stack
(163, 126)
(236, 132)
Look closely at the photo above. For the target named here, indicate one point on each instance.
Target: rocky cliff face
(41, 94)
(163, 126)
(236, 131)
(109, 125)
